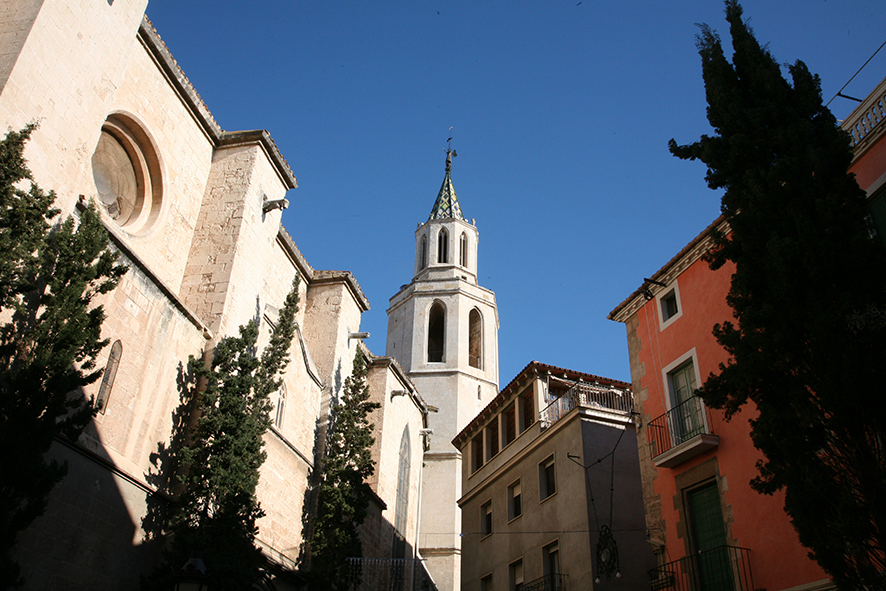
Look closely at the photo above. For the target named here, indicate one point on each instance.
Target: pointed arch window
(424, 251)
(436, 333)
(110, 374)
(281, 406)
(475, 339)
(463, 250)
(443, 246)
(402, 511)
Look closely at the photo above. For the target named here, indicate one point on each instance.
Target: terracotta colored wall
(753, 521)
(871, 165)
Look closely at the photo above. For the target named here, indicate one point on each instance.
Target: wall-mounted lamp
(358, 335)
(647, 293)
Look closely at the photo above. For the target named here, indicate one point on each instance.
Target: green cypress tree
(344, 494)
(49, 339)
(216, 513)
(808, 294)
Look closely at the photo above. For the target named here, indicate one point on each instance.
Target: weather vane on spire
(449, 152)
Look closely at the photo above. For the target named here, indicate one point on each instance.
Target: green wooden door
(713, 569)
(686, 420)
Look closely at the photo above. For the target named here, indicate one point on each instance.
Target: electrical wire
(856, 74)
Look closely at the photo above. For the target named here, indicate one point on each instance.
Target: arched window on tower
(475, 340)
(436, 332)
(443, 246)
(463, 250)
(424, 251)
(401, 516)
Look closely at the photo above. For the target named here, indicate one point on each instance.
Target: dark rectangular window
(515, 582)
(477, 447)
(486, 583)
(528, 401)
(486, 518)
(515, 501)
(547, 483)
(492, 429)
(551, 560)
(510, 415)
(669, 305)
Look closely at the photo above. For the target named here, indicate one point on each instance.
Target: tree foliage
(215, 517)
(344, 494)
(808, 295)
(50, 272)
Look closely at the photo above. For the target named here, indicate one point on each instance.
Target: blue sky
(561, 113)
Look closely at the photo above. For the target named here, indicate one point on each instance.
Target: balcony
(864, 124)
(681, 434)
(588, 395)
(547, 583)
(725, 568)
(388, 574)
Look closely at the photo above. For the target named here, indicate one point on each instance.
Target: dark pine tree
(808, 295)
(50, 272)
(215, 517)
(344, 494)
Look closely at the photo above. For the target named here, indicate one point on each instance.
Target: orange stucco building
(709, 529)
(865, 124)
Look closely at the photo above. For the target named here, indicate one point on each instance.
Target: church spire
(446, 206)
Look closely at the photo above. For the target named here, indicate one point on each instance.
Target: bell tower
(443, 330)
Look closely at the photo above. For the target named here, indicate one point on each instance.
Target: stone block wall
(204, 259)
(66, 75)
(400, 418)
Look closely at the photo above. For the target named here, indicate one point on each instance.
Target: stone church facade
(195, 212)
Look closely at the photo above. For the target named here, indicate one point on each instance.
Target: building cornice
(391, 364)
(666, 275)
(161, 55)
(516, 386)
(346, 278)
(295, 255)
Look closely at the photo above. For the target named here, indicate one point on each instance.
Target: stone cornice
(161, 55)
(345, 277)
(295, 254)
(261, 137)
(391, 364)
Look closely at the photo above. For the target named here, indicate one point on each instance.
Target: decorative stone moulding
(126, 172)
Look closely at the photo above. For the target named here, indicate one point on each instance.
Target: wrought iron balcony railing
(547, 583)
(388, 574)
(678, 425)
(725, 568)
(589, 395)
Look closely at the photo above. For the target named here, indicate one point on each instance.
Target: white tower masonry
(443, 330)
